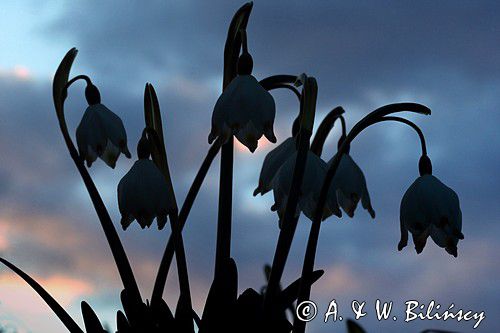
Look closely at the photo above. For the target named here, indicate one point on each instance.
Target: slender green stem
(412, 125)
(231, 53)
(223, 247)
(76, 78)
(161, 276)
(178, 243)
(270, 82)
(372, 118)
(295, 91)
(121, 260)
(308, 109)
(182, 271)
(324, 129)
(344, 126)
(284, 81)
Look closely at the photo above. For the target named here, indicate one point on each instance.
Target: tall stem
(119, 255)
(231, 52)
(308, 109)
(168, 254)
(223, 247)
(372, 118)
(284, 81)
(324, 129)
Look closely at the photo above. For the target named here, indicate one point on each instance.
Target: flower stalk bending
(312, 243)
(119, 255)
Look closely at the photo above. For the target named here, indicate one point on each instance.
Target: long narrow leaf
(152, 118)
(66, 319)
(61, 78)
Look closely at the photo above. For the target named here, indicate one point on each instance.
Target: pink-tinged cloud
(16, 295)
(4, 242)
(340, 280)
(19, 72)
(19, 304)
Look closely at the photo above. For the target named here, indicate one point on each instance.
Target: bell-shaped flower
(314, 175)
(349, 187)
(143, 194)
(246, 110)
(430, 208)
(273, 161)
(101, 134)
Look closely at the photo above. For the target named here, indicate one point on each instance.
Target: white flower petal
(430, 205)
(90, 133)
(90, 156)
(312, 181)
(244, 102)
(272, 162)
(350, 185)
(249, 135)
(101, 133)
(110, 154)
(144, 193)
(113, 126)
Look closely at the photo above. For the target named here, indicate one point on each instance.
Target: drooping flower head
(101, 132)
(348, 187)
(143, 193)
(314, 175)
(272, 162)
(430, 208)
(244, 109)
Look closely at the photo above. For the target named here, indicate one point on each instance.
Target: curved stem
(308, 109)
(161, 276)
(312, 243)
(76, 78)
(273, 80)
(295, 91)
(119, 255)
(412, 125)
(324, 129)
(284, 81)
(344, 126)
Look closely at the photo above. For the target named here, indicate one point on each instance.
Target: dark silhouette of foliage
(272, 309)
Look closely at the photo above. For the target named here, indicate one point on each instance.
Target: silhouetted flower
(101, 134)
(143, 194)
(349, 186)
(273, 161)
(246, 110)
(429, 207)
(312, 181)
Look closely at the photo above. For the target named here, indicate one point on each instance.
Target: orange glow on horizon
(16, 295)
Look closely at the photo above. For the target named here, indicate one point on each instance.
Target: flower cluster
(347, 188)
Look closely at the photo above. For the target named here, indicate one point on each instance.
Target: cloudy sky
(441, 54)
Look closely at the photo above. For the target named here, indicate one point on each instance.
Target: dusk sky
(445, 55)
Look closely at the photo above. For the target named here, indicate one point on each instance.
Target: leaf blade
(66, 319)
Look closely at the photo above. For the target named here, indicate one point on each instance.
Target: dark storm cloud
(350, 47)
